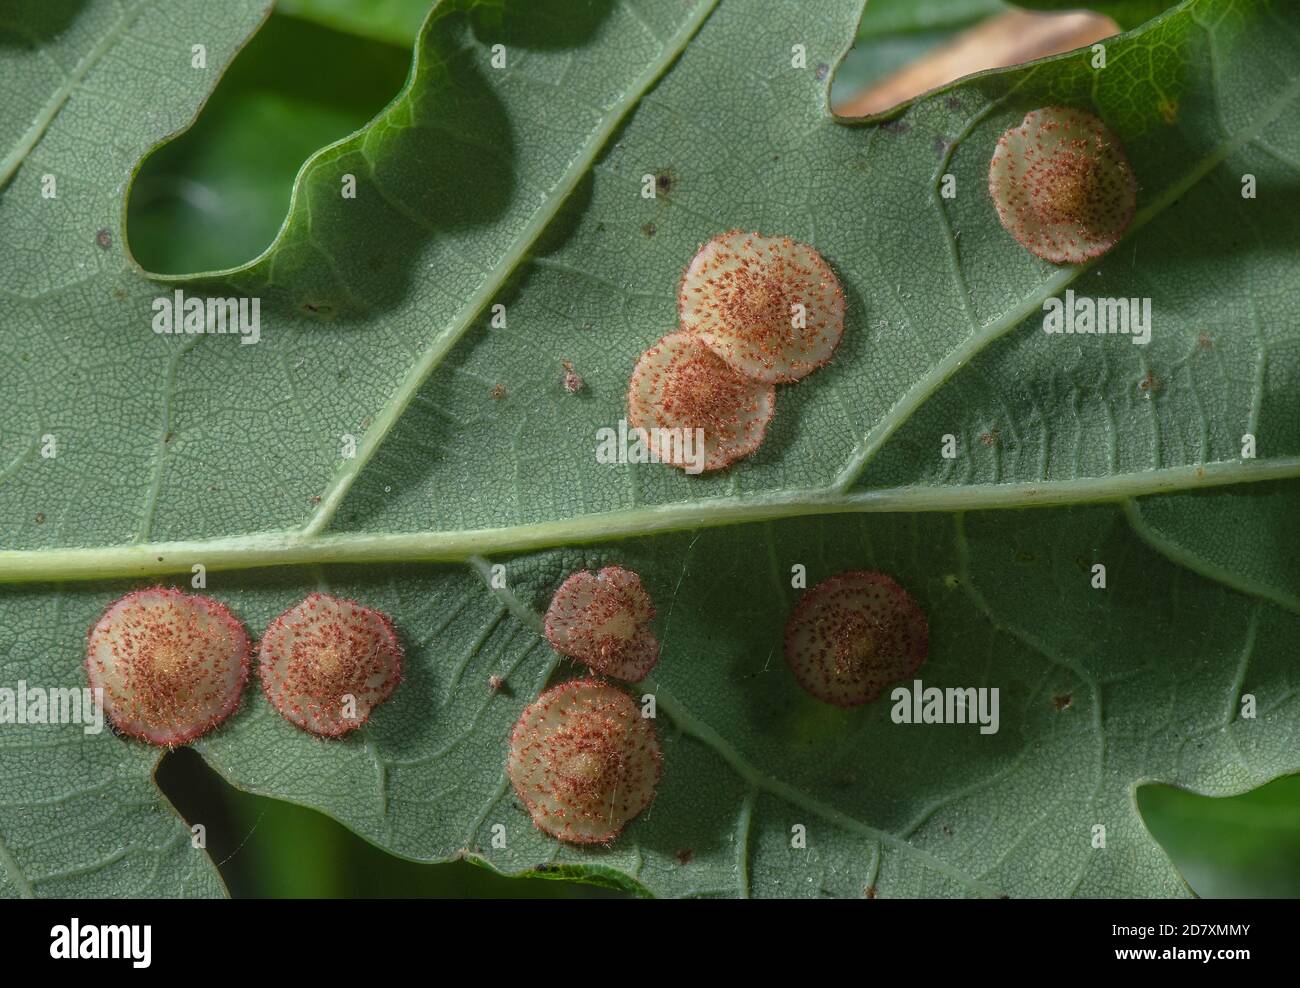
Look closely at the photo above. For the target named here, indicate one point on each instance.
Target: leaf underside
(522, 185)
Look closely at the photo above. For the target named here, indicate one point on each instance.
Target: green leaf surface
(522, 185)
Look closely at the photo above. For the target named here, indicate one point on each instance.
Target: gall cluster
(754, 312)
(583, 759)
(173, 665)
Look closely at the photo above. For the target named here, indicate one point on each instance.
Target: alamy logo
(195, 316)
(921, 704)
(1098, 316)
(58, 705)
(97, 942)
(680, 447)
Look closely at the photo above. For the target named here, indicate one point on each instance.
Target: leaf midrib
(295, 548)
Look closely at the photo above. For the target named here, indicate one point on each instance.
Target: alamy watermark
(1085, 315)
(195, 316)
(683, 447)
(921, 704)
(57, 705)
(95, 941)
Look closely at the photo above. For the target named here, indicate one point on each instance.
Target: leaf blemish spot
(573, 382)
(171, 665)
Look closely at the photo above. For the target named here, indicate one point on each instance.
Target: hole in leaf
(1245, 846)
(266, 848)
(902, 52)
(215, 197)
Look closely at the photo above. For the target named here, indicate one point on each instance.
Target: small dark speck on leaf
(40, 517)
(314, 500)
(572, 379)
(323, 309)
(684, 856)
(869, 891)
(104, 239)
(822, 71)
(498, 392)
(648, 229)
(664, 181)
(940, 145)
(953, 103)
(1062, 700)
(896, 126)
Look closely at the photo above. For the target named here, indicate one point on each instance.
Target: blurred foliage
(896, 32)
(393, 21)
(1128, 14)
(215, 197)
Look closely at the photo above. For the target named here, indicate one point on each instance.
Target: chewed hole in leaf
(214, 197)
